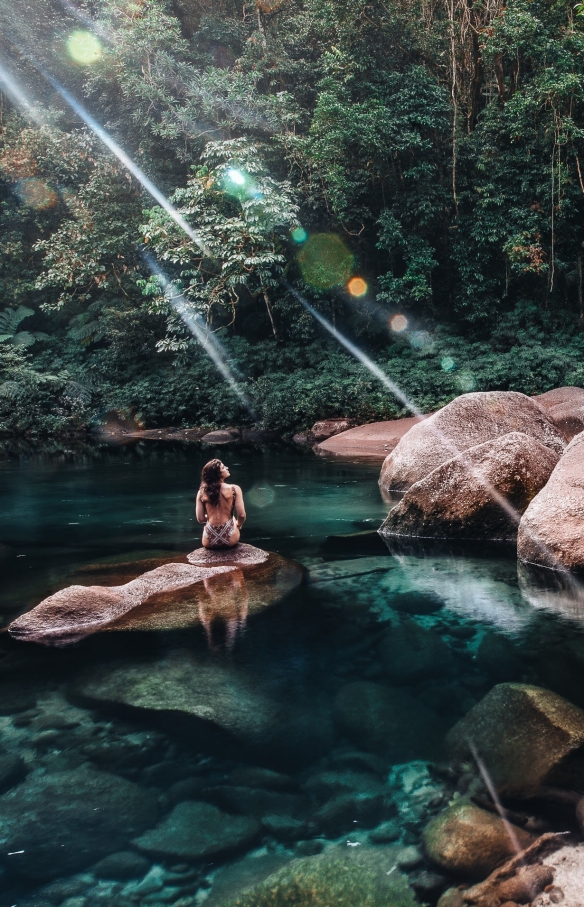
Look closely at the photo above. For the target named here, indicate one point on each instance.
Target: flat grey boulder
(467, 421)
(195, 830)
(479, 494)
(551, 532)
(65, 821)
(183, 687)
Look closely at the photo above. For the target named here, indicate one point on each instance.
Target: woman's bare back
(219, 513)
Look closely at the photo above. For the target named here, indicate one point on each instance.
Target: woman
(216, 502)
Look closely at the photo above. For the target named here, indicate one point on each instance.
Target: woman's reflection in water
(223, 610)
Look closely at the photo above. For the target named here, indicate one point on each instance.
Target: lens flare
(398, 323)
(447, 363)
(325, 261)
(36, 194)
(466, 382)
(20, 99)
(261, 495)
(299, 235)
(84, 48)
(357, 286)
(236, 176)
(421, 340)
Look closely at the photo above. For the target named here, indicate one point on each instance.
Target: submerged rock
(223, 708)
(527, 738)
(410, 652)
(550, 532)
(470, 842)
(565, 405)
(196, 830)
(221, 587)
(466, 422)
(333, 879)
(388, 721)
(67, 820)
(479, 494)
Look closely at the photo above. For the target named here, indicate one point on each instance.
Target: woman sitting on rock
(216, 502)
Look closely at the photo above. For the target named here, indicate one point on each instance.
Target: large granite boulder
(565, 405)
(467, 421)
(361, 876)
(527, 737)
(470, 842)
(388, 721)
(56, 824)
(479, 494)
(227, 586)
(194, 831)
(551, 532)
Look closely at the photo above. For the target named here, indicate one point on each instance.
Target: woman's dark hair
(211, 481)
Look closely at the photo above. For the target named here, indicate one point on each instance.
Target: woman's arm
(239, 506)
(200, 509)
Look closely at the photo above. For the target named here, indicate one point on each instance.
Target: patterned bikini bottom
(219, 536)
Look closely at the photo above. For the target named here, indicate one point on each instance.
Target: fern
(10, 319)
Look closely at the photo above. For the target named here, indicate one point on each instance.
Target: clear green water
(307, 679)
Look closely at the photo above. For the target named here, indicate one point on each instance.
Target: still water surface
(324, 716)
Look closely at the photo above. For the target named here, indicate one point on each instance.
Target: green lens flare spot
(447, 363)
(299, 235)
(325, 261)
(84, 48)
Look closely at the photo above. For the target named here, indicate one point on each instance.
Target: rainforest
(198, 198)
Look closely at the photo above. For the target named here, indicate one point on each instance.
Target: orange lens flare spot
(36, 194)
(398, 323)
(357, 286)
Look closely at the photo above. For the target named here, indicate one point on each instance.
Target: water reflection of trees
(223, 609)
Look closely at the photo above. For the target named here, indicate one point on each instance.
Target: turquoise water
(325, 720)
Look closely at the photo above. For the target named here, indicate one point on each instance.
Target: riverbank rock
(466, 422)
(388, 721)
(68, 820)
(222, 436)
(320, 431)
(372, 441)
(209, 588)
(527, 738)
(551, 529)
(195, 830)
(333, 879)
(470, 842)
(467, 496)
(565, 405)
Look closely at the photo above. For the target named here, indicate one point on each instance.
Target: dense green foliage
(433, 150)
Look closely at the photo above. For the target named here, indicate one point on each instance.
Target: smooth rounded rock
(388, 721)
(410, 652)
(470, 842)
(67, 820)
(197, 830)
(551, 532)
(479, 494)
(326, 428)
(333, 879)
(124, 865)
(465, 422)
(527, 737)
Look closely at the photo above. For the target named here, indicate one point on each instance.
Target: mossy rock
(333, 879)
